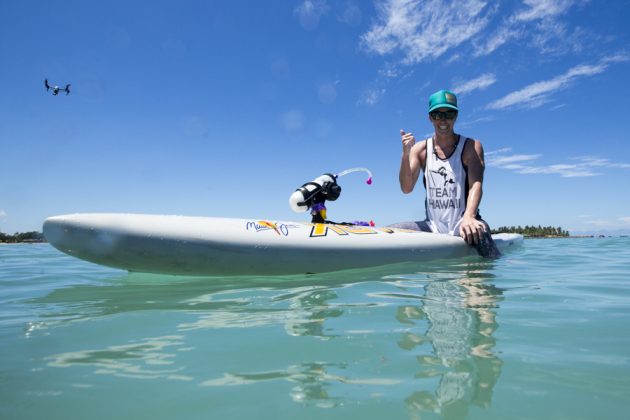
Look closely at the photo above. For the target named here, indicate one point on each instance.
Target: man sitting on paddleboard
(453, 167)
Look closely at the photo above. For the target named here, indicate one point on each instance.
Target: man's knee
(422, 226)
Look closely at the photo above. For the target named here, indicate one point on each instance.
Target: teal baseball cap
(443, 99)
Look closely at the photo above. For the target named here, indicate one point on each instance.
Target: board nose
(53, 230)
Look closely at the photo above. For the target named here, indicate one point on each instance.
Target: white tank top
(445, 181)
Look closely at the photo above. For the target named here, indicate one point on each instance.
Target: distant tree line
(22, 237)
(533, 231)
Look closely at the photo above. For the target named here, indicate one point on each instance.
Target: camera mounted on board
(314, 194)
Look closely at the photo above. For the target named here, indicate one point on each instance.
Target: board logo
(262, 225)
(320, 229)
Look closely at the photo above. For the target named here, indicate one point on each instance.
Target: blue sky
(223, 108)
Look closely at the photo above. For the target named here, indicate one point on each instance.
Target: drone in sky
(56, 89)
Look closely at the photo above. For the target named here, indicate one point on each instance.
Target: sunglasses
(439, 115)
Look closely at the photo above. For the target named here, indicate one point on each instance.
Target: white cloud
(480, 82)
(371, 96)
(386, 74)
(469, 123)
(552, 37)
(502, 36)
(498, 151)
(562, 169)
(424, 30)
(454, 58)
(546, 32)
(538, 23)
(540, 9)
(600, 162)
(505, 160)
(417, 31)
(309, 12)
(3, 213)
(625, 220)
(525, 164)
(538, 93)
(389, 71)
(616, 58)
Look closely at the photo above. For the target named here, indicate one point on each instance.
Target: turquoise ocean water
(542, 333)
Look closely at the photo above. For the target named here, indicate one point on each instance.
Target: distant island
(534, 231)
(22, 237)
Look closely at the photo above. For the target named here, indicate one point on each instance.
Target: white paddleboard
(207, 246)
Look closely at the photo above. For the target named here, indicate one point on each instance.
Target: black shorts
(425, 226)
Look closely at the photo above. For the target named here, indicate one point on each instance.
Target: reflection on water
(147, 359)
(311, 381)
(460, 317)
(302, 311)
(425, 338)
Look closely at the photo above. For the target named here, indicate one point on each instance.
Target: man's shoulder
(420, 150)
(470, 142)
(466, 138)
(420, 144)
(472, 149)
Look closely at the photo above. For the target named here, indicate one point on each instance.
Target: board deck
(208, 246)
